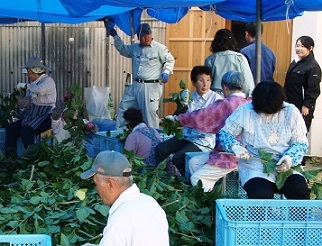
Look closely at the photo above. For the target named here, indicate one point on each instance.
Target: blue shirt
(268, 61)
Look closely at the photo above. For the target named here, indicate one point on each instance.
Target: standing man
(39, 101)
(134, 218)
(268, 61)
(152, 64)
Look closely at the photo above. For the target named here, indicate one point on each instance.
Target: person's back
(142, 139)
(146, 222)
(268, 59)
(226, 58)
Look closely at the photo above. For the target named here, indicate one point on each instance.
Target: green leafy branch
(179, 98)
(172, 128)
(269, 167)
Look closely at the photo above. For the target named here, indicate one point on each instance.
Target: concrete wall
(310, 24)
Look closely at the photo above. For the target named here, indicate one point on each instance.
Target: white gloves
(20, 86)
(240, 152)
(284, 164)
(173, 118)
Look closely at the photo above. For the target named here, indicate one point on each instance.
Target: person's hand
(20, 86)
(173, 118)
(305, 111)
(164, 77)
(240, 152)
(284, 164)
(112, 32)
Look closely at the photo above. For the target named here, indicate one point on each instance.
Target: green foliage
(268, 162)
(75, 124)
(310, 175)
(44, 194)
(172, 128)
(177, 97)
(9, 103)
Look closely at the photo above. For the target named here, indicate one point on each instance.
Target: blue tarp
(169, 11)
(272, 10)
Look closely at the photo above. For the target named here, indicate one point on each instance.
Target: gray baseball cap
(109, 163)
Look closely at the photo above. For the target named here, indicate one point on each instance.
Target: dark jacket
(302, 83)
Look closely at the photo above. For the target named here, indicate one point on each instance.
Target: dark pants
(295, 187)
(178, 148)
(27, 133)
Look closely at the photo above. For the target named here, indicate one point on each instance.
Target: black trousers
(27, 133)
(295, 187)
(178, 148)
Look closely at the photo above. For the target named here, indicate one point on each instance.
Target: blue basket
(102, 142)
(25, 240)
(105, 124)
(268, 222)
(232, 187)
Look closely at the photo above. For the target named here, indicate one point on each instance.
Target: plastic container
(266, 222)
(102, 142)
(204, 156)
(25, 240)
(232, 187)
(105, 124)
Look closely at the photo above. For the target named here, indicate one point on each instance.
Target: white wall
(310, 24)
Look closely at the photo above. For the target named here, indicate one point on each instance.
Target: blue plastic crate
(232, 187)
(3, 140)
(102, 142)
(25, 240)
(108, 143)
(188, 156)
(265, 222)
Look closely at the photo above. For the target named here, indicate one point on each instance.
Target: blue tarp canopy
(169, 11)
(126, 14)
(272, 10)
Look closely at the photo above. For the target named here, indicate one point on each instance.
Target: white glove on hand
(284, 164)
(20, 86)
(173, 118)
(240, 152)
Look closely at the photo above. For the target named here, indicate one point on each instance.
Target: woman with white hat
(38, 102)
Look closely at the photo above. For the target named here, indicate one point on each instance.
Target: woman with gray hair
(209, 168)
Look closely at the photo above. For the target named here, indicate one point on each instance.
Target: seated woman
(142, 139)
(193, 140)
(269, 124)
(210, 168)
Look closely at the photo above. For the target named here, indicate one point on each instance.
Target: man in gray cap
(134, 218)
(39, 100)
(152, 63)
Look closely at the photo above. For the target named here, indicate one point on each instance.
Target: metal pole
(43, 42)
(107, 68)
(132, 38)
(258, 40)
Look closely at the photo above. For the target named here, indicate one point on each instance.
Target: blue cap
(143, 29)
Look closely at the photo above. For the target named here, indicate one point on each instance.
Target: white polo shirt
(136, 219)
